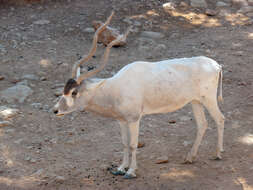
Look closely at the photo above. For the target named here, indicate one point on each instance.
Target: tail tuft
(220, 98)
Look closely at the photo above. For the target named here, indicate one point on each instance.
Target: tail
(220, 98)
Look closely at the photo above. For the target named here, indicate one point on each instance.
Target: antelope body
(142, 88)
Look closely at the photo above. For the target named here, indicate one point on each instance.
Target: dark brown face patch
(69, 85)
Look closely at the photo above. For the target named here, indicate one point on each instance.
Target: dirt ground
(41, 151)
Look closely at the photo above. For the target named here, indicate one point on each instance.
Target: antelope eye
(74, 93)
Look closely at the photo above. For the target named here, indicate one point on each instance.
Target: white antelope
(142, 88)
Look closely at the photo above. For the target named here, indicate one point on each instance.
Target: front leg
(133, 134)
(121, 170)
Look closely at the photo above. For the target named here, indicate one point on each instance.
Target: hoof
(129, 176)
(118, 172)
(218, 158)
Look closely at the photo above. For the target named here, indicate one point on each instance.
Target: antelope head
(79, 89)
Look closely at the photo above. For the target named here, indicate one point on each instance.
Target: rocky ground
(40, 41)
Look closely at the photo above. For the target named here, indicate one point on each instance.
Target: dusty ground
(40, 151)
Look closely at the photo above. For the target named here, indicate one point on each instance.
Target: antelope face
(70, 100)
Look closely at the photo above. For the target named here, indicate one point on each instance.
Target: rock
(59, 179)
(128, 20)
(43, 78)
(160, 48)
(250, 14)
(27, 158)
(186, 143)
(41, 22)
(104, 167)
(240, 2)
(4, 123)
(211, 12)
(250, 2)
(162, 160)
(23, 82)
(183, 4)
(1, 77)
(2, 50)
(185, 118)
(89, 30)
(7, 113)
(172, 121)
(108, 35)
(141, 145)
(199, 3)
(245, 9)
(151, 34)
(57, 85)
(18, 141)
(169, 5)
(16, 93)
(222, 4)
(58, 92)
(30, 77)
(37, 105)
(33, 160)
(136, 23)
(39, 172)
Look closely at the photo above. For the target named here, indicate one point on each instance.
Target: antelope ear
(71, 83)
(92, 84)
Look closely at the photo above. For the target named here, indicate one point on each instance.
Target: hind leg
(213, 109)
(201, 128)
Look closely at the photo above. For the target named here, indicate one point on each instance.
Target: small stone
(16, 93)
(1, 77)
(160, 48)
(43, 78)
(183, 4)
(41, 22)
(141, 145)
(89, 30)
(151, 34)
(30, 77)
(137, 23)
(221, 4)
(4, 123)
(245, 9)
(199, 3)
(7, 113)
(211, 12)
(58, 92)
(185, 118)
(162, 160)
(58, 85)
(27, 158)
(33, 160)
(23, 82)
(169, 5)
(127, 20)
(172, 121)
(186, 143)
(37, 105)
(239, 53)
(39, 172)
(59, 178)
(18, 141)
(104, 167)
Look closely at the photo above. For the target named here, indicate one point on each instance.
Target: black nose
(55, 111)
